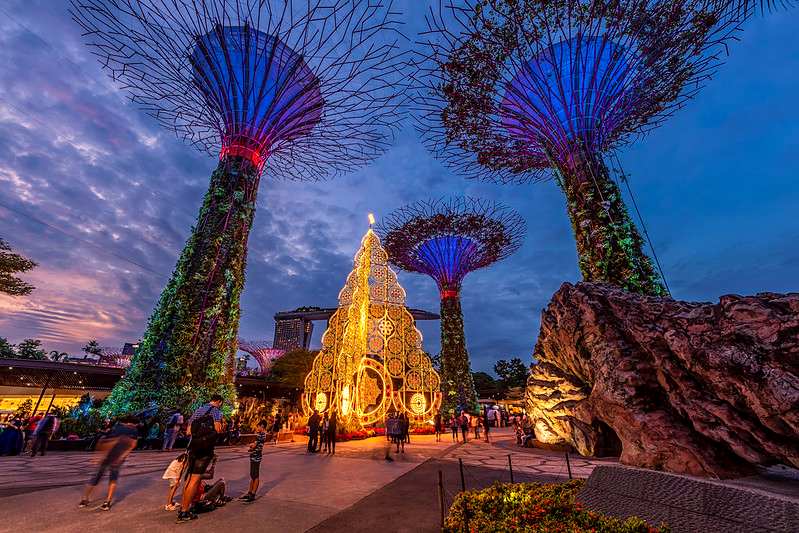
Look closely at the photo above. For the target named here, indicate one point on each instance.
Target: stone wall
(687, 504)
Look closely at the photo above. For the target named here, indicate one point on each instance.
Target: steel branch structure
(446, 240)
(286, 88)
(262, 352)
(522, 91)
(314, 88)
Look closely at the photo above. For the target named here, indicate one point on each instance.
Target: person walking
(171, 433)
(404, 428)
(313, 431)
(486, 423)
(174, 474)
(256, 454)
(476, 422)
(453, 425)
(323, 434)
(277, 425)
(393, 432)
(464, 424)
(332, 429)
(205, 425)
(439, 427)
(117, 446)
(46, 427)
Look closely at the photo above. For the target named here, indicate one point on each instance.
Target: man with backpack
(171, 433)
(204, 427)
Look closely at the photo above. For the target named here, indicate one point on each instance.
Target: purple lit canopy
(261, 90)
(574, 90)
(506, 91)
(447, 240)
(310, 91)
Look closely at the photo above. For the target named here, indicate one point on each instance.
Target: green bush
(534, 508)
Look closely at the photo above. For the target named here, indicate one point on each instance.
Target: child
(173, 473)
(256, 451)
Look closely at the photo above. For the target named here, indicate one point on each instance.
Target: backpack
(203, 431)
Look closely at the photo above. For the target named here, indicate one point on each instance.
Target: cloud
(104, 199)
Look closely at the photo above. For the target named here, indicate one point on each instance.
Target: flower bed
(534, 508)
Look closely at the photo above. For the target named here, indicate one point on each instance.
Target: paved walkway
(299, 491)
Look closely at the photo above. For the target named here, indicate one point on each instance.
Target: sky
(103, 199)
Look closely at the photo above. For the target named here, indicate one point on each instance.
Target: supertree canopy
(520, 91)
(290, 89)
(262, 352)
(446, 240)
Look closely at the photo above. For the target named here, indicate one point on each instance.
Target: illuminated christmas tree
(290, 89)
(371, 362)
(447, 241)
(521, 91)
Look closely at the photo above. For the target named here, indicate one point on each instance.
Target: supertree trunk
(456, 375)
(187, 352)
(609, 247)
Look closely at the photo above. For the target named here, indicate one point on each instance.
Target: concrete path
(345, 492)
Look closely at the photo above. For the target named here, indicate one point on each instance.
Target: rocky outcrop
(694, 388)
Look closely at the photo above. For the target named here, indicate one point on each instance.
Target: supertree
(511, 91)
(262, 352)
(447, 240)
(299, 90)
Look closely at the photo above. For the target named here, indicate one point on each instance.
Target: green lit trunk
(457, 384)
(609, 247)
(188, 350)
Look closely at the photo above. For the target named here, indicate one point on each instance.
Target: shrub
(534, 508)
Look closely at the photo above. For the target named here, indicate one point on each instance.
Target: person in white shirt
(173, 474)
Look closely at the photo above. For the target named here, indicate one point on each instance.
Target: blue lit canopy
(263, 90)
(574, 90)
(448, 258)
(447, 240)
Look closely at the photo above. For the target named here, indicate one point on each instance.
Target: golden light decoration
(418, 403)
(372, 362)
(321, 401)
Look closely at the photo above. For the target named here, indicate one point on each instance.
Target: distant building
(292, 333)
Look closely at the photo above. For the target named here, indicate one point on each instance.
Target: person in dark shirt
(117, 446)
(313, 431)
(464, 423)
(44, 430)
(439, 426)
(256, 454)
(278, 424)
(200, 455)
(332, 431)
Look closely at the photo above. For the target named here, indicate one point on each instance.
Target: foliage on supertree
(511, 91)
(446, 240)
(262, 352)
(291, 89)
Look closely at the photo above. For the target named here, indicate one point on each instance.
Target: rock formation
(694, 388)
